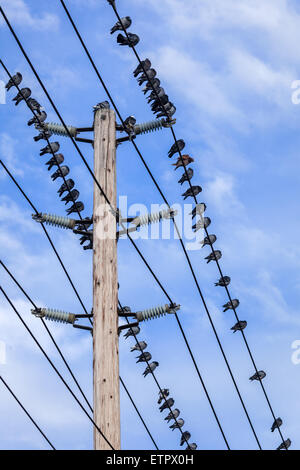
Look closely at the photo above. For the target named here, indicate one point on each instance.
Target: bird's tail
(208, 261)
(42, 152)
(113, 29)
(225, 309)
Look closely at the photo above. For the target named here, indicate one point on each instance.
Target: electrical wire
(53, 366)
(27, 412)
(205, 228)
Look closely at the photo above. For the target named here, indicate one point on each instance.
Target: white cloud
(19, 13)
(8, 154)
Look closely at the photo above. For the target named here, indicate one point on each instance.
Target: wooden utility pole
(105, 286)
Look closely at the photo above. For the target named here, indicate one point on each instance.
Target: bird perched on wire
(214, 256)
(60, 172)
(150, 368)
(202, 223)
(284, 445)
(133, 331)
(258, 375)
(34, 105)
(210, 240)
(146, 77)
(140, 346)
(199, 209)
(164, 393)
(72, 196)
(102, 105)
(172, 415)
(239, 326)
(187, 176)
(68, 185)
(43, 135)
(14, 81)
(192, 446)
(177, 425)
(185, 437)
(277, 423)
(167, 404)
(132, 40)
(158, 104)
(57, 160)
(178, 146)
(38, 119)
(142, 67)
(53, 147)
(85, 225)
(231, 305)
(223, 281)
(155, 83)
(124, 23)
(144, 357)
(169, 110)
(76, 207)
(23, 94)
(193, 191)
(154, 95)
(129, 124)
(183, 161)
(124, 309)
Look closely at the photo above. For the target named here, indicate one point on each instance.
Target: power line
(27, 412)
(31, 204)
(205, 228)
(49, 333)
(139, 414)
(52, 365)
(188, 259)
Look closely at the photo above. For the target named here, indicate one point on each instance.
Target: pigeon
(159, 103)
(60, 172)
(176, 147)
(155, 83)
(14, 81)
(185, 437)
(191, 192)
(102, 105)
(202, 223)
(154, 95)
(68, 185)
(43, 135)
(198, 209)
(164, 393)
(144, 357)
(167, 404)
(284, 445)
(146, 77)
(169, 110)
(140, 346)
(86, 237)
(57, 160)
(124, 23)
(134, 330)
(53, 147)
(192, 446)
(23, 94)
(214, 256)
(177, 425)
(239, 326)
(142, 67)
(184, 161)
(258, 375)
(131, 41)
(223, 281)
(187, 176)
(231, 305)
(277, 423)
(76, 207)
(72, 196)
(34, 105)
(172, 415)
(150, 368)
(38, 119)
(124, 310)
(210, 240)
(85, 226)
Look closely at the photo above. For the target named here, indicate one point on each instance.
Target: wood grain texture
(105, 286)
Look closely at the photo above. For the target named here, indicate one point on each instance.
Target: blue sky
(228, 67)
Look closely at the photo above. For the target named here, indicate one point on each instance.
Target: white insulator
(156, 312)
(59, 129)
(153, 217)
(55, 315)
(56, 220)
